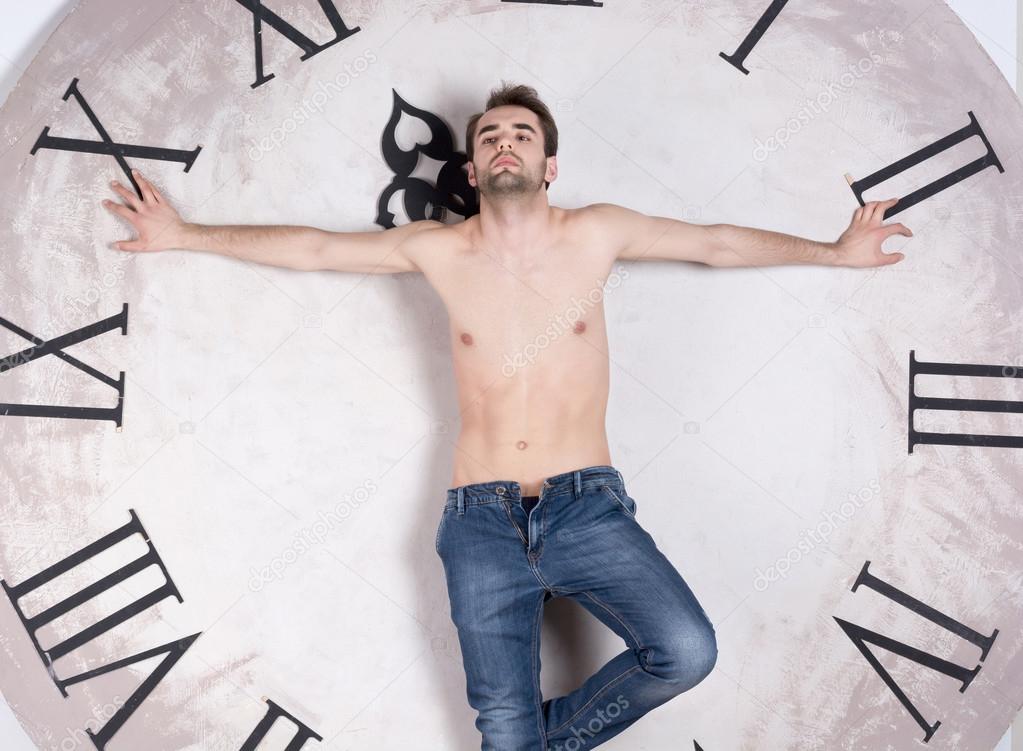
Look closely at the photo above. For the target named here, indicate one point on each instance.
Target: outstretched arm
(641, 237)
(160, 227)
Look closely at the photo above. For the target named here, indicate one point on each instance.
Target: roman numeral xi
(308, 46)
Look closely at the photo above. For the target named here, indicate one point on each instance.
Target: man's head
(517, 127)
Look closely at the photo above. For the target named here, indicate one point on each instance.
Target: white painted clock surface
(284, 438)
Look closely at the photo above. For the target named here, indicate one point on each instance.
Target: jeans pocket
(440, 527)
(624, 500)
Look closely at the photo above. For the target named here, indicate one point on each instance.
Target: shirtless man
(536, 509)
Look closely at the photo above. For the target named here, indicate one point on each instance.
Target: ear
(552, 169)
(472, 174)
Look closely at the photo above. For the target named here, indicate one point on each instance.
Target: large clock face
(221, 481)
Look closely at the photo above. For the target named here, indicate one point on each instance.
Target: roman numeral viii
(172, 650)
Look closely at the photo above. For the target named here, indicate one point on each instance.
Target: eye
(526, 137)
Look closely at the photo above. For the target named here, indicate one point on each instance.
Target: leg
(609, 564)
(496, 606)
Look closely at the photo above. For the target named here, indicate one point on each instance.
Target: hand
(158, 225)
(860, 245)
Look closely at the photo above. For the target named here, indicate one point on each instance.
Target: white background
(27, 26)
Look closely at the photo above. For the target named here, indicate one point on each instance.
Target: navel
(579, 327)
(521, 445)
(466, 338)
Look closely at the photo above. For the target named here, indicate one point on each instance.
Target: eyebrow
(519, 126)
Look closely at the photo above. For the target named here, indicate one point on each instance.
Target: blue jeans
(582, 541)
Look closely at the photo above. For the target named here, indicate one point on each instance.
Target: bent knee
(687, 658)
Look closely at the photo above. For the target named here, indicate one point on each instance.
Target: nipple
(579, 327)
(521, 445)
(466, 338)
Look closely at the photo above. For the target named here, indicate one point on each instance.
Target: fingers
(873, 212)
(898, 229)
(129, 245)
(145, 186)
(858, 215)
(121, 210)
(129, 197)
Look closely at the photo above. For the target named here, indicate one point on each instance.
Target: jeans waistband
(574, 483)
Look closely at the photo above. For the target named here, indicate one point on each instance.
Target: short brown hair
(522, 96)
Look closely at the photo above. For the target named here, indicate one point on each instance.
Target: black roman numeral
(56, 347)
(273, 711)
(738, 58)
(173, 650)
(576, 3)
(106, 146)
(990, 159)
(308, 46)
(964, 405)
(861, 636)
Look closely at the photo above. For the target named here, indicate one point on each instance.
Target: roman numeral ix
(56, 347)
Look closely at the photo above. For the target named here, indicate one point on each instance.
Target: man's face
(509, 158)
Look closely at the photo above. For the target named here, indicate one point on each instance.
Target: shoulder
(604, 218)
(606, 225)
(428, 238)
(427, 232)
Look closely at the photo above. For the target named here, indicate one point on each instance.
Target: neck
(515, 224)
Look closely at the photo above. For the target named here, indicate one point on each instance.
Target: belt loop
(621, 480)
(461, 500)
(577, 477)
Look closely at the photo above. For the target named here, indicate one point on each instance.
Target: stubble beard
(503, 184)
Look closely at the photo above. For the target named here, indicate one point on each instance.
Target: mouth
(505, 160)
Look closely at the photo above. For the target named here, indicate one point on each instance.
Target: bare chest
(501, 310)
